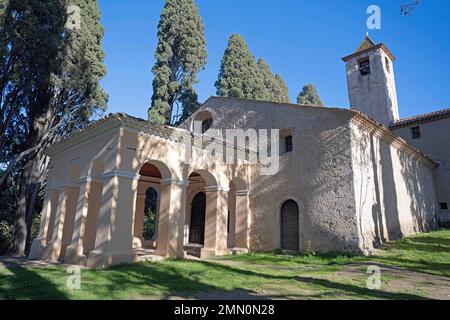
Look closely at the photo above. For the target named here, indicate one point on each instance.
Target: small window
(415, 131)
(206, 124)
(388, 65)
(202, 122)
(288, 144)
(443, 205)
(364, 66)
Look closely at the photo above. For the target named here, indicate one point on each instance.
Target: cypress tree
(309, 96)
(275, 85)
(55, 82)
(283, 93)
(180, 55)
(268, 79)
(239, 74)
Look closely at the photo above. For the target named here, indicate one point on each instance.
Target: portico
(97, 214)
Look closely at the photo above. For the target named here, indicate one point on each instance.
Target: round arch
(205, 117)
(290, 225)
(207, 176)
(156, 169)
(239, 184)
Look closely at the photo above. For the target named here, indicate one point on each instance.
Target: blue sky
(301, 40)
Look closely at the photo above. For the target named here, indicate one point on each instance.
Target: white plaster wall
(317, 174)
(435, 142)
(374, 94)
(394, 192)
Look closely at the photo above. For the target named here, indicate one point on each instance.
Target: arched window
(202, 122)
(150, 212)
(290, 229)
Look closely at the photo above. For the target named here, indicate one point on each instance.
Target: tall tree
(275, 85)
(180, 55)
(283, 93)
(239, 74)
(309, 96)
(57, 72)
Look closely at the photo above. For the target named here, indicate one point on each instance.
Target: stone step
(193, 250)
(150, 258)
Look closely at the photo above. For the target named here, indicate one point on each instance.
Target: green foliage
(239, 75)
(180, 55)
(309, 96)
(83, 59)
(275, 85)
(283, 93)
(150, 210)
(6, 237)
(50, 85)
(318, 276)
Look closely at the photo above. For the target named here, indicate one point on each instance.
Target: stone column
(216, 222)
(40, 243)
(171, 218)
(114, 239)
(74, 253)
(242, 225)
(72, 193)
(138, 224)
(53, 248)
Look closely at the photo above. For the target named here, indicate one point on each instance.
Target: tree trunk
(32, 176)
(30, 183)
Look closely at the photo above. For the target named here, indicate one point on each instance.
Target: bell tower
(371, 81)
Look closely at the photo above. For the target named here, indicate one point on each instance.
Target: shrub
(6, 237)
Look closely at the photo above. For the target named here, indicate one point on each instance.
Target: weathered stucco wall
(317, 174)
(373, 94)
(394, 190)
(435, 142)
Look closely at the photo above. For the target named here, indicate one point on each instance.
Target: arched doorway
(148, 204)
(290, 230)
(150, 214)
(197, 223)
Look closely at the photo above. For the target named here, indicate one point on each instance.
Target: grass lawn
(417, 267)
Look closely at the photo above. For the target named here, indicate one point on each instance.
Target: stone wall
(435, 142)
(373, 94)
(394, 189)
(317, 174)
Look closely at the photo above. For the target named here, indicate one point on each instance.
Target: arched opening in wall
(198, 216)
(290, 229)
(150, 214)
(202, 122)
(195, 220)
(146, 216)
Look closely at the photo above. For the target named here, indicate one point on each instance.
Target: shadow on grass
(26, 283)
(433, 240)
(348, 289)
(279, 258)
(421, 265)
(171, 278)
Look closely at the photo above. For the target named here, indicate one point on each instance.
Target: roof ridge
(430, 116)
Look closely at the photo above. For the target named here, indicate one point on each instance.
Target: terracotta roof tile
(422, 118)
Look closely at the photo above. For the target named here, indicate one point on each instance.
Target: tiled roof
(422, 118)
(367, 46)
